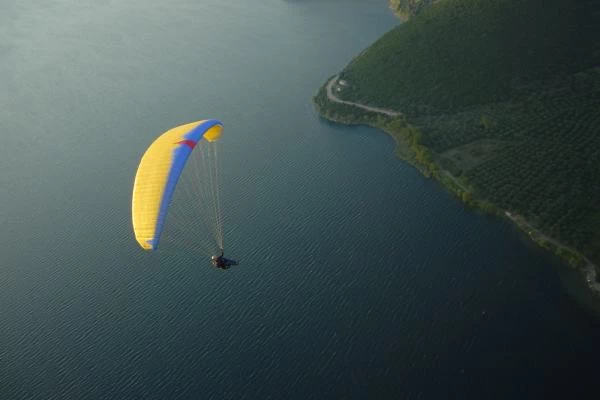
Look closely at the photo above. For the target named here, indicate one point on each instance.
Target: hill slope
(501, 101)
(459, 53)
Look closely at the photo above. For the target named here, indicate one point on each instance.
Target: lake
(359, 278)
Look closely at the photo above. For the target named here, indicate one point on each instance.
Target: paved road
(332, 97)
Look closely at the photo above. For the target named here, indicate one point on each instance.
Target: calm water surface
(360, 279)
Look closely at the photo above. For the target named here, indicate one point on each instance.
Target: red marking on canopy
(188, 142)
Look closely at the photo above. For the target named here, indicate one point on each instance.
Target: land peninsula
(499, 100)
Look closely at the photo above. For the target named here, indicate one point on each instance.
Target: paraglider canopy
(158, 173)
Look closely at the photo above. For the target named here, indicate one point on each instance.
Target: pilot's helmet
(213, 258)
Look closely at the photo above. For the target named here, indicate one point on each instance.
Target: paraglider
(221, 262)
(158, 173)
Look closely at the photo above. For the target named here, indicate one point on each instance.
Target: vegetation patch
(464, 158)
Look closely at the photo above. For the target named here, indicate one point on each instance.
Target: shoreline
(428, 168)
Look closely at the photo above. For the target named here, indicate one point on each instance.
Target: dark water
(360, 279)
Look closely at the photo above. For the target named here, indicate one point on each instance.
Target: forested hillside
(505, 96)
(460, 53)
